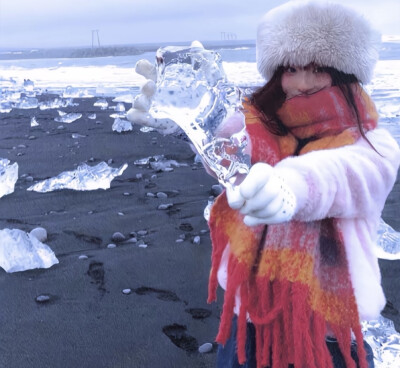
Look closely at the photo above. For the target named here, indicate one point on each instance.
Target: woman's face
(297, 81)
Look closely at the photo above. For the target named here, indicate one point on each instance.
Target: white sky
(53, 23)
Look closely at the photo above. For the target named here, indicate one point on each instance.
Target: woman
(293, 243)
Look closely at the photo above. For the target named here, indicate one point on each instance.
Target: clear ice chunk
(193, 91)
(74, 92)
(28, 85)
(146, 129)
(28, 103)
(121, 125)
(84, 178)
(34, 122)
(5, 107)
(102, 103)
(165, 165)
(54, 104)
(8, 176)
(388, 242)
(20, 251)
(384, 340)
(68, 118)
(120, 107)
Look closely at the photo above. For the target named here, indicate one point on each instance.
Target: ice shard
(84, 178)
(8, 176)
(20, 251)
(121, 125)
(193, 91)
(388, 242)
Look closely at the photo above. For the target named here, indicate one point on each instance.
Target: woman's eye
(290, 69)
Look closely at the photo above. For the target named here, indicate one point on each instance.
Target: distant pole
(95, 38)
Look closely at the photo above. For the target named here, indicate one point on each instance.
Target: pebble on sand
(165, 206)
(126, 291)
(118, 237)
(42, 298)
(196, 240)
(110, 246)
(205, 348)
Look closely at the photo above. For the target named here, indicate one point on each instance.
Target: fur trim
(301, 32)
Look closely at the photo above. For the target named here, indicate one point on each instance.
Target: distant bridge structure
(228, 36)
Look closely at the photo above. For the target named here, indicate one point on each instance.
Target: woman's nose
(305, 83)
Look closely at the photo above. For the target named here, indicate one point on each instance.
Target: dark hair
(269, 98)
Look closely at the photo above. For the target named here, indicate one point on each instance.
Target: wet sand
(88, 321)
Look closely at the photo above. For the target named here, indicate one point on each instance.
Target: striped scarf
(292, 278)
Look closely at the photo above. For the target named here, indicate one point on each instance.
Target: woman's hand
(263, 197)
(139, 113)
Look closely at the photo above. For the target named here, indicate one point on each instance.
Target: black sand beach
(88, 321)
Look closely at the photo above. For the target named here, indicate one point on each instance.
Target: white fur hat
(328, 34)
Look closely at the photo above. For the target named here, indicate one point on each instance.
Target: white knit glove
(139, 113)
(263, 197)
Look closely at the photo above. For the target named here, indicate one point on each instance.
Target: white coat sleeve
(346, 182)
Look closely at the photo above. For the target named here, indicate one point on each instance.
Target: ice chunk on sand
(34, 122)
(68, 118)
(121, 125)
(102, 103)
(28, 103)
(8, 176)
(388, 244)
(85, 177)
(20, 251)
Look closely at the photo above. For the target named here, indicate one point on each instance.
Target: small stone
(83, 257)
(110, 246)
(149, 194)
(31, 137)
(29, 178)
(90, 212)
(21, 146)
(118, 237)
(139, 176)
(142, 232)
(178, 240)
(61, 127)
(182, 236)
(127, 194)
(165, 206)
(162, 195)
(154, 176)
(110, 161)
(39, 233)
(204, 231)
(44, 298)
(91, 159)
(20, 154)
(133, 234)
(143, 245)
(196, 240)
(126, 291)
(131, 240)
(121, 214)
(205, 348)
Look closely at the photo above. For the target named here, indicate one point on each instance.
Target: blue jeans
(227, 356)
